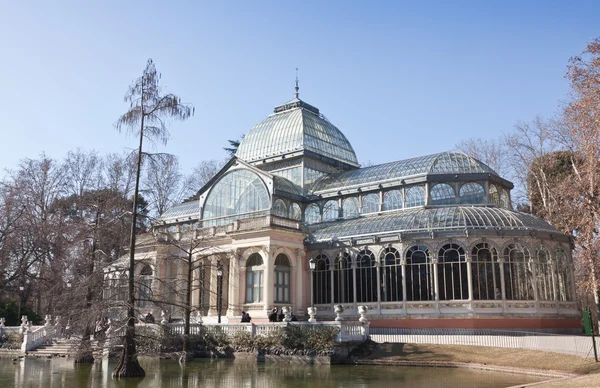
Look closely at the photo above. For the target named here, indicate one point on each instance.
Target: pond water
(61, 373)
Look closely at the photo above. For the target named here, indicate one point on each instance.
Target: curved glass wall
(392, 200)
(452, 273)
(239, 194)
(391, 275)
(295, 212)
(494, 195)
(442, 194)
(485, 272)
(312, 214)
(350, 207)
(370, 203)
(518, 273)
(363, 278)
(472, 193)
(504, 199)
(419, 275)
(415, 196)
(366, 277)
(322, 280)
(331, 211)
(565, 280)
(279, 208)
(343, 279)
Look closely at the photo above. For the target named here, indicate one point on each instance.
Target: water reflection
(61, 373)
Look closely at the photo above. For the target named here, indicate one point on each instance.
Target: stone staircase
(62, 347)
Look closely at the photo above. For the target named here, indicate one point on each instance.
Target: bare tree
(489, 151)
(583, 117)
(198, 255)
(202, 173)
(148, 109)
(162, 182)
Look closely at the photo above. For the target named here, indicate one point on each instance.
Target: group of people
(246, 318)
(278, 315)
(100, 328)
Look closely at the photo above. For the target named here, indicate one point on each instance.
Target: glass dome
(296, 126)
(442, 163)
(433, 219)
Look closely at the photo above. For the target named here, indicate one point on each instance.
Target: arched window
(518, 274)
(295, 212)
(452, 273)
(331, 210)
(254, 278)
(279, 208)
(485, 271)
(392, 200)
(238, 194)
(282, 279)
(472, 193)
(370, 203)
(391, 275)
(564, 275)
(504, 199)
(322, 280)
(343, 281)
(442, 194)
(543, 274)
(366, 277)
(415, 196)
(312, 214)
(350, 207)
(145, 288)
(494, 196)
(419, 274)
(123, 289)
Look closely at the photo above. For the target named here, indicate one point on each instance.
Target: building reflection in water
(61, 373)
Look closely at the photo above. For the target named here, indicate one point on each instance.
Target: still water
(61, 373)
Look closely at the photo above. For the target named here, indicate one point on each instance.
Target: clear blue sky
(400, 79)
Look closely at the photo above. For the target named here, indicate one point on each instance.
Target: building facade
(424, 242)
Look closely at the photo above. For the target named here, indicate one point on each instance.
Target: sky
(400, 79)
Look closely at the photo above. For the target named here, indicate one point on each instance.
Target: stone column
(298, 272)
(469, 261)
(403, 269)
(212, 304)
(436, 291)
(269, 284)
(233, 308)
(502, 283)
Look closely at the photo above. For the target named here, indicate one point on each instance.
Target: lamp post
(21, 288)
(312, 263)
(219, 289)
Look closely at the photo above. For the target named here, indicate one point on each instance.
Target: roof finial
(297, 88)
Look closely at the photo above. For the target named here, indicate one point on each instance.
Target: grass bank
(493, 357)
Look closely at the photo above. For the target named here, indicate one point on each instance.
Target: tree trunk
(129, 365)
(188, 307)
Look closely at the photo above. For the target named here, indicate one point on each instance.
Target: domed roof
(296, 126)
(441, 163)
(458, 218)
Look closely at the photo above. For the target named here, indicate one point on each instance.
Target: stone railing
(34, 336)
(579, 345)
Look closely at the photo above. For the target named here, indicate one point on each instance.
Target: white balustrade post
(338, 309)
(287, 312)
(362, 310)
(2, 321)
(163, 318)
